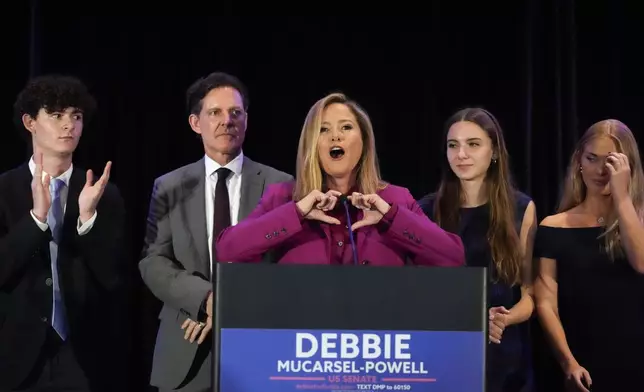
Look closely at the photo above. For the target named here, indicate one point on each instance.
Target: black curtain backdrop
(546, 68)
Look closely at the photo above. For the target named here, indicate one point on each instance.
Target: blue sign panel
(270, 360)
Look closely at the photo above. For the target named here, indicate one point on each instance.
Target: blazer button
(44, 319)
(48, 282)
(365, 262)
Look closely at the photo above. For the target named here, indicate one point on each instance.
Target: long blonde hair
(575, 189)
(309, 174)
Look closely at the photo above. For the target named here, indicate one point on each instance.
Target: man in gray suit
(188, 209)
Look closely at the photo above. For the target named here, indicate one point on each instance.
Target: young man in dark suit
(61, 257)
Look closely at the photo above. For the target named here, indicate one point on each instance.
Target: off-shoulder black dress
(601, 306)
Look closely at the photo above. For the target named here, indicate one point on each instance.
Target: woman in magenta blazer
(338, 210)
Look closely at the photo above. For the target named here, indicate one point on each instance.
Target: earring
(494, 160)
(581, 169)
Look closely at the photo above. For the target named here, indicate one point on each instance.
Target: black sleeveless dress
(601, 307)
(509, 364)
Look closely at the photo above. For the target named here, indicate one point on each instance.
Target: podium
(282, 328)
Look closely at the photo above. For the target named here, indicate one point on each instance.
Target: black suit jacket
(91, 272)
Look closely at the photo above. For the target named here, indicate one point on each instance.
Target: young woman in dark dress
(590, 288)
(497, 223)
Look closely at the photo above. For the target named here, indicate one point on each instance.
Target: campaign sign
(270, 360)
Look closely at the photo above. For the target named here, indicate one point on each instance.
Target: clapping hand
(373, 207)
(91, 193)
(40, 191)
(314, 206)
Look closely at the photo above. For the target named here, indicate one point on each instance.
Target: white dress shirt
(65, 177)
(234, 192)
(82, 229)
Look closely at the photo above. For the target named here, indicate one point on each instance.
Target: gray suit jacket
(176, 266)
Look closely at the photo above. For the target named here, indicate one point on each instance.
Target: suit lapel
(252, 188)
(22, 197)
(193, 195)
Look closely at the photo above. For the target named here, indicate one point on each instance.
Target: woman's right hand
(498, 322)
(314, 206)
(578, 378)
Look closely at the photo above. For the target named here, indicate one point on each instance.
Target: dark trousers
(56, 369)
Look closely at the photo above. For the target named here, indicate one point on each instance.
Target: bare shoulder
(573, 218)
(530, 211)
(529, 221)
(557, 220)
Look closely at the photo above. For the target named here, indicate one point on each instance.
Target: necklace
(600, 220)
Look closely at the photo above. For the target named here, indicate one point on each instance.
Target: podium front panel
(349, 328)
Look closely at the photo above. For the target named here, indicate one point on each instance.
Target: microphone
(345, 202)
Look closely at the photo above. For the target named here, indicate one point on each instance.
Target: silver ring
(201, 324)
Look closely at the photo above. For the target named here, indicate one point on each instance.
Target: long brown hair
(575, 189)
(502, 233)
(309, 174)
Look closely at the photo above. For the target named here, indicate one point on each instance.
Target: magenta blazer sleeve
(274, 220)
(408, 228)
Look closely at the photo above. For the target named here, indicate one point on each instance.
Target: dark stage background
(547, 69)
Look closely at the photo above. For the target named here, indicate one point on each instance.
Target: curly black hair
(201, 87)
(53, 93)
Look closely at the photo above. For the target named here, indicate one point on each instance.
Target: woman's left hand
(620, 175)
(373, 207)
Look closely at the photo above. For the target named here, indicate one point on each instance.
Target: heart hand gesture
(373, 207)
(314, 206)
(91, 194)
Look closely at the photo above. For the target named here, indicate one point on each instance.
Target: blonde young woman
(305, 221)
(590, 290)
